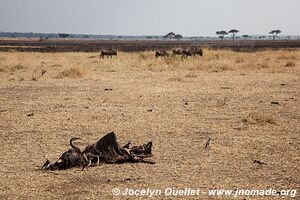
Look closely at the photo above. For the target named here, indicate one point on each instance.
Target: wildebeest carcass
(108, 53)
(161, 53)
(106, 150)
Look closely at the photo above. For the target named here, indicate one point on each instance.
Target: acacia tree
(221, 34)
(178, 37)
(245, 36)
(169, 35)
(233, 32)
(274, 33)
(63, 35)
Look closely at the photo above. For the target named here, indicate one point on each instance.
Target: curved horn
(71, 143)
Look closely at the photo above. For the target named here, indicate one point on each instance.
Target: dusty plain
(248, 103)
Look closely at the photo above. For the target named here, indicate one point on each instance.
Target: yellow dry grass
(47, 98)
(72, 73)
(65, 64)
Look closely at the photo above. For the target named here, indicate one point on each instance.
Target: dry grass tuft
(213, 56)
(172, 61)
(56, 65)
(257, 118)
(220, 66)
(143, 56)
(175, 79)
(3, 69)
(2, 59)
(72, 73)
(34, 77)
(239, 60)
(286, 57)
(190, 75)
(222, 102)
(290, 64)
(263, 65)
(17, 67)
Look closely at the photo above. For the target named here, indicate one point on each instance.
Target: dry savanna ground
(248, 103)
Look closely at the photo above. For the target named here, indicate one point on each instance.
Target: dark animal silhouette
(106, 150)
(177, 52)
(185, 53)
(71, 158)
(196, 51)
(192, 52)
(161, 53)
(108, 53)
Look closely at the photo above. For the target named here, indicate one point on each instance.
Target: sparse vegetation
(72, 73)
(290, 64)
(63, 35)
(245, 36)
(34, 77)
(58, 65)
(17, 67)
(175, 79)
(274, 33)
(233, 32)
(259, 118)
(221, 34)
(247, 108)
(143, 56)
(170, 35)
(191, 75)
(178, 37)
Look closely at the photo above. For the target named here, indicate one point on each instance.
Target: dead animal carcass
(106, 150)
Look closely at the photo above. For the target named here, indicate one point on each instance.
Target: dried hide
(106, 150)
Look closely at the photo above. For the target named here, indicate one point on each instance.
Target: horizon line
(124, 35)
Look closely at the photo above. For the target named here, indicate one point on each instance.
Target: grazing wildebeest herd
(183, 53)
(106, 150)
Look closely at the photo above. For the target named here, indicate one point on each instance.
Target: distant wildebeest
(184, 53)
(177, 52)
(161, 53)
(108, 53)
(106, 150)
(196, 51)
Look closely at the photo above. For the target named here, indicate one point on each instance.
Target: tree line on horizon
(222, 34)
(233, 32)
(171, 35)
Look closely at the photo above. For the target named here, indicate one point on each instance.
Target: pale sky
(150, 17)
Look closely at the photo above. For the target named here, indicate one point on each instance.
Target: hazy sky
(150, 17)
